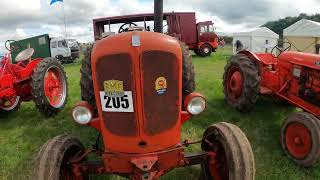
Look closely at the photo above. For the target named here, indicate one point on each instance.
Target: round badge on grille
(161, 85)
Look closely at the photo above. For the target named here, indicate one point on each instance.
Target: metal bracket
(136, 40)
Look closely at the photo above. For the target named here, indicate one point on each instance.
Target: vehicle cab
(206, 33)
(59, 48)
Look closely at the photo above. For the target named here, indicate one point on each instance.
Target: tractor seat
(24, 55)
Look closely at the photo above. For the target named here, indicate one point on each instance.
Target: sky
(25, 18)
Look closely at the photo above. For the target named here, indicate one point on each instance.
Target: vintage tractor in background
(41, 80)
(288, 77)
(137, 91)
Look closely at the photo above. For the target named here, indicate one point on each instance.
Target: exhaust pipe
(158, 16)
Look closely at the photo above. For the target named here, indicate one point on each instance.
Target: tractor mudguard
(264, 58)
(28, 70)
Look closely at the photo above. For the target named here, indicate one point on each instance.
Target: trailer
(45, 46)
(200, 37)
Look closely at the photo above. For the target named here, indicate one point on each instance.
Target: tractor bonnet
(303, 59)
(137, 81)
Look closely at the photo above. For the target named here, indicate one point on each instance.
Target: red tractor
(41, 80)
(137, 93)
(290, 77)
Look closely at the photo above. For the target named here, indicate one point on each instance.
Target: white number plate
(117, 104)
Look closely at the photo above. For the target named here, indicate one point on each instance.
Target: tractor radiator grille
(160, 108)
(117, 67)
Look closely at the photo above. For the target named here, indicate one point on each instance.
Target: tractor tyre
(86, 82)
(188, 75)
(300, 138)
(49, 86)
(241, 82)
(54, 158)
(230, 154)
(197, 52)
(13, 106)
(205, 50)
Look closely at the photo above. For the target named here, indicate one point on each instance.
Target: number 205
(117, 102)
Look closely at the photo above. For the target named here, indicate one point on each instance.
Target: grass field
(22, 133)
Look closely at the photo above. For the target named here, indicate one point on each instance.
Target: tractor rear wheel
(86, 82)
(9, 104)
(49, 86)
(231, 153)
(300, 138)
(205, 50)
(54, 158)
(188, 75)
(241, 83)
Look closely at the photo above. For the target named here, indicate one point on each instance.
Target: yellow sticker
(161, 85)
(113, 88)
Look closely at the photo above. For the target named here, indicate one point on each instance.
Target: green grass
(22, 133)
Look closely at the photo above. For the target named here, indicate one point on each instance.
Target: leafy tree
(279, 25)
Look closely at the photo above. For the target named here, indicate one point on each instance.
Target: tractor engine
(305, 68)
(309, 85)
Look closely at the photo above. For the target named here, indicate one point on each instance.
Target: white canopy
(303, 28)
(258, 40)
(258, 32)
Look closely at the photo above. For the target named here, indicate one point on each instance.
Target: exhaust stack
(158, 16)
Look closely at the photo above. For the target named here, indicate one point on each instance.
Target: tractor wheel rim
(66, 172)
(14, 101)
(206, 50)
(55, 86)
(218, 166)
(298, 140)
(235, 83)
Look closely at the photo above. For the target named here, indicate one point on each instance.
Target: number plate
(117, 104)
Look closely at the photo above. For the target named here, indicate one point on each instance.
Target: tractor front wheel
(9, 104)
(241, 83)
(49, 86)
(300, 138)
(54, 158)
(230, 154)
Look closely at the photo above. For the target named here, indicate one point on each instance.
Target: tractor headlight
(195, 103)
(82, 114)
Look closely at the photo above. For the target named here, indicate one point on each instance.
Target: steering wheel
(281, 50)
(12, 46)
(123, 28)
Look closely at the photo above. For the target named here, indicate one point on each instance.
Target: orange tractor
(137, 91)
(289, 77)
(41, 80)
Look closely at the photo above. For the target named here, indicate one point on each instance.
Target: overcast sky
(25, 18)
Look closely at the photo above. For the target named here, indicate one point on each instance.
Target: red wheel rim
(234, 83)
(67, 174)
(10, 103)
(298, 140)
(66, 169)
(218, 166)
(55, 86)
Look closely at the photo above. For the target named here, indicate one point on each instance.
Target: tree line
(281, 24)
